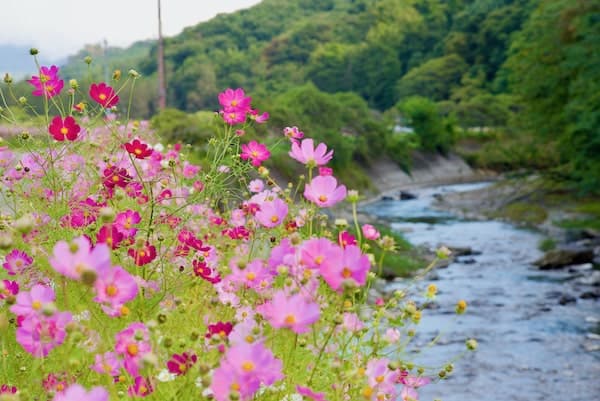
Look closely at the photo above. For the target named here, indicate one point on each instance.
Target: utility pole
(162, 85)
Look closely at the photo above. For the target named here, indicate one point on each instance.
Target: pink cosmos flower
(47, 83)
(132, 344)
(293, 312)
(352, 323)
(115, 287)
(324, 192)
(39, 334)
(6, 156)
(75, 258)
(254, 275)
(179, 364)
(233, 117)
(320, 254)
(64, 129)
(272, 213)
(32, 302)
(353, 267)
(141, 388)
(256, 185)
(411, 384)
(107, 363)
(243, 368)
(381, 379)
(77, 393)
(370, 232)
(16, 262)
(325, 171)
(104, 95)
(392, 335)
(257, 152)
(125, 221)
(7, 288)
(293, 133)
(306, 153)
(259, 118)
(308, 393)
(235, 100)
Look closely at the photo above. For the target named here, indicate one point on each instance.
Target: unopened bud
(23, 100)
(471, 344)
(134, 74)
(7, 78)
(116, 75)
(33, 51)
(87, 60)
(107, 214)
(352, 196)
(73, 83)
(49, 309)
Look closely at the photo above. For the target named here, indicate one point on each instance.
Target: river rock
(466, 261)
(567, 299)
(558, 258)
(595, 294)
(591, 278)
(580, 268)
(462, 251)
(387, 198)
(405, 195)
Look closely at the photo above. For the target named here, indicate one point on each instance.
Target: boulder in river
(558, 258)
(405, 195)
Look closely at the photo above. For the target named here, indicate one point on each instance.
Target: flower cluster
(128, 265)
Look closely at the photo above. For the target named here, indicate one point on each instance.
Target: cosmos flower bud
(23, 100)
(116, 75)
(8, 78)
(6, 240)
(33, 51)
(461, 307)
(87, 60)
(471, 344)
(73, 83)
(49, 309)
(88, 277)
(134, 74)
(107, 214)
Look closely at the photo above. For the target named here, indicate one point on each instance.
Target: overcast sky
(61, 27)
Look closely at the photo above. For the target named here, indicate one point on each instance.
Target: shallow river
(530, 347)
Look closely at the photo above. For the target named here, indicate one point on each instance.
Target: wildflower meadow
(132, 270)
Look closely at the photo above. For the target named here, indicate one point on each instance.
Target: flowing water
(530, 346)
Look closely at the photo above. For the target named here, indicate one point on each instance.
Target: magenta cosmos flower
(306, 153)
(64, 129)
(236, 99)
(179, 364)
(16, 261)
(107, 363)
(272, 213)
(256, 152)
(306, 392)
(293, 312)
(78, 257)
(324, 191)
(104, 95)
(47, 83)
(77, 393)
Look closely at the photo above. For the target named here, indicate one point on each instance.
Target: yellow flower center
(274, 219)
(367, 392)
(132, 349)
(319, 259)
(379, 378)
(182, 367)
(235, 386)
(115, 178)
(346, 272)
(49, 88)
(290, 319)
(102, 96)
(234, 103)
(111, 290)
(64, 130)
(124, 310)
(37, 305)
(143, 390)
(250, 276)
(322, 198)
(249, 339)
(248, 366)
(106, 367)
(138, 151)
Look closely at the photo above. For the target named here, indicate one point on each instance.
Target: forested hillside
(523, 72)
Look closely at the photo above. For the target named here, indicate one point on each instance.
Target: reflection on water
(531, 347)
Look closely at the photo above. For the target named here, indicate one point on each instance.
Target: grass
(523, 213)
(405, 261)
(547, 244)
